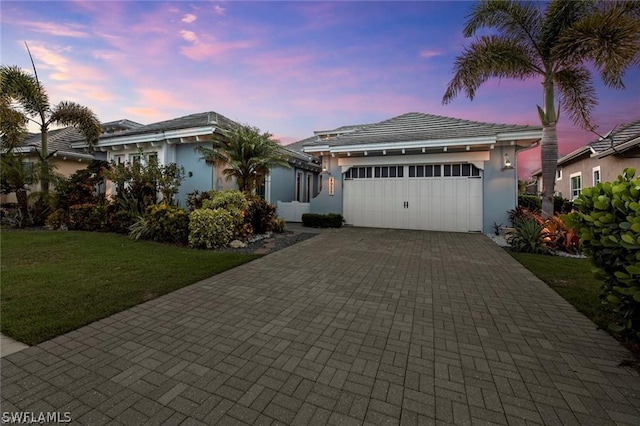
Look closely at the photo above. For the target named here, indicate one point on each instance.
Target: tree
(556, 45)
(24, 91)
(246, 155)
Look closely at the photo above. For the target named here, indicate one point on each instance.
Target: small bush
(527, 237)
(331, 220)
(608, 221)
(519, 214)
(210, 228)
(163, 223)
(228, 200)
(57, 219)
(259, 215)
(530, 202)
(196, 198)
(562, 205)
(277, 225)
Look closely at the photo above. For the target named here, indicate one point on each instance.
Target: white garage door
(437, 197)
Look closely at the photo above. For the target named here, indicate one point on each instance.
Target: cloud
(219, 10)
(189, 36)
(54, 29)
(207, 49)
(427, 54)
(189, 18)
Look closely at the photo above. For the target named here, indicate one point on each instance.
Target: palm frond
(609, 37)
(13, 126)
(20, 86)
(578, 95)
(490, 56)
(80, 117)
(559, 15)
(518, 20)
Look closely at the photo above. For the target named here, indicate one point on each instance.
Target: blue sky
(287, 67)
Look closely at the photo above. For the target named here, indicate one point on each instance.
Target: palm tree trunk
(549, 149)
(549, 154)
(44, 154)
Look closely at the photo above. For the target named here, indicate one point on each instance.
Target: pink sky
(287, 67)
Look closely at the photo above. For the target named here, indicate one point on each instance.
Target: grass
(55, 282)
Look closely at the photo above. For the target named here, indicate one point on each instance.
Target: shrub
(259, 215)
(527, 237)
(277, 225)
(210, 228)
(608, 221)
(562, 205)
(530, 202)
(163, 223)
(519, 214)
(57, 219)
(230, 200)
(314, 220)
(196, 198)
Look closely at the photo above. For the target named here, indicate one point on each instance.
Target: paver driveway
(353, 326)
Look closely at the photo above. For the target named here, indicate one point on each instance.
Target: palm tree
(246, 155)
(24, 91)
(555, 45)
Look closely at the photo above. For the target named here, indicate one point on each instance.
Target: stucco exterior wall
(610, 168)
(500, 188)
(323, 203)
(199, 175)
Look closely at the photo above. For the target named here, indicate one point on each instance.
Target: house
(420, 171)
(602, 160)
(65, 158)
(174, 141)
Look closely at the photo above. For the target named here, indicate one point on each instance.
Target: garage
(437, 197)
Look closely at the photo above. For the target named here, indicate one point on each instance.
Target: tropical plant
(259, 215)
(527, 237)
(163, 223)
(608, 221)
(246, 155)
(25, 90)
(556, 45)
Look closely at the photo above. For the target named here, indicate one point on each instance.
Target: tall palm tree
(555, 45)
(22, 93)
(246, 155)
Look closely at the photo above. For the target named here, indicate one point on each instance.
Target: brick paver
(354, 326)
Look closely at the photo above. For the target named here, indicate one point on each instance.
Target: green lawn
(55, 282)
(573, 279)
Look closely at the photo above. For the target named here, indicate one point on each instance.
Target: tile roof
(58, 140)
(189, 121)
(416, 126)
(623, 134)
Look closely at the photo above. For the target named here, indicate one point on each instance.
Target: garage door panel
(443, 203)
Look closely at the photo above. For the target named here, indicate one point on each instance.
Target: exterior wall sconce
(507, 163)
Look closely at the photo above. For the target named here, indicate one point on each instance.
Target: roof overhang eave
(438, 143)
(148, 137)
(620, 148)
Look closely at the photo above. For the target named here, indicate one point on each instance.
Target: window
(437, 170)
(28, 169)
(118, 159)
(596, 175)
(576, 185)
(559, 174)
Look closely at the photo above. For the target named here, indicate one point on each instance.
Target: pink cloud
(189, 36)
(50, 28)
(209, 48)
(427, 54)
(189, 18)
(219, 10)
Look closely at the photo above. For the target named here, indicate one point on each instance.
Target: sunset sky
(286, 67)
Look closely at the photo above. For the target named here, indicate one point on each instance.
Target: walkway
(353, 326)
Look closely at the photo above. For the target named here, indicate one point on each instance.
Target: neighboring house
(602, 160)
(420, 171)
(174, 141)
(66, 159)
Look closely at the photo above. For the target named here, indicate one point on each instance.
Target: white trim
(477, 158)
(315, 148)
(571, 189)
(267, 188)
(558, 173)
(157, 136)
(414, 144)
(593, 177)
